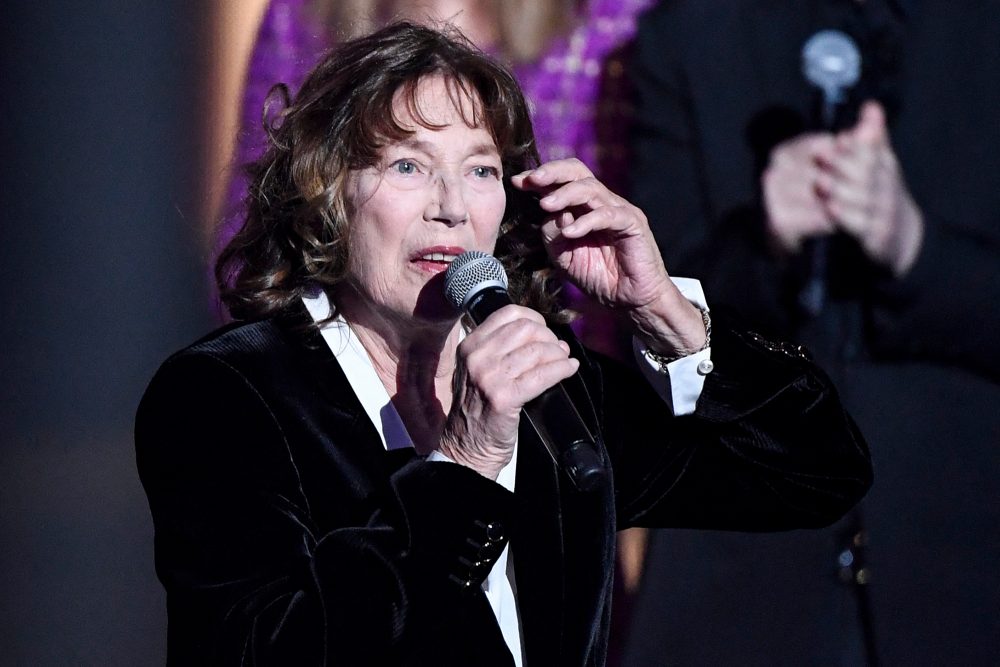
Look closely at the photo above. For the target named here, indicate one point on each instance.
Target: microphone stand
(854, 572)
(834, 78)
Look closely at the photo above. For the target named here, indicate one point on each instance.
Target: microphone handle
(552, 413)
(812, 296)
(567, 438)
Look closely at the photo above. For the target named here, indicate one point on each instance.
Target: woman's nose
(448, 204)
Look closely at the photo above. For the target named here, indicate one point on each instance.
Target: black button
(480, 565)
(493, 530)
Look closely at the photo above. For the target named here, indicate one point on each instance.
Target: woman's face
(431, 197)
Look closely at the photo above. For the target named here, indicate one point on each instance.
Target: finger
(823, 184)
(820, 148)
(802, 191)
(587, 192)
(553, 223)
(605, 218)
(788, 176)
(505, 394)
(557, 171)
(523, 358)
(803, 151)
(789, 224)
(856, 166)
(796, 225)
(519, 182)
(851, 217)
(870, 128)
(537, 379)
(495, 368)
(799, 186)
(846, 193)
(506, 315)
(518, 334)
(501, 361)
(493, 340)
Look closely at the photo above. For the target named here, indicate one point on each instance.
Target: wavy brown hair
(296, 230)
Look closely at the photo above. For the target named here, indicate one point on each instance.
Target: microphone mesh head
(831, 61)
(470, 272)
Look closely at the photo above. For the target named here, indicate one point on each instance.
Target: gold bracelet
(663, 359)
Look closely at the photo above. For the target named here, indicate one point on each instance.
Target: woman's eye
(485, 172)
(405, 167)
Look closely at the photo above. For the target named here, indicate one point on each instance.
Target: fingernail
(550, 200)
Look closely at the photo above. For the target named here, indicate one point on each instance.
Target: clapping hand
(819, 184)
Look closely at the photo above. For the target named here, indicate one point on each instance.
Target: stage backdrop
(100, 266)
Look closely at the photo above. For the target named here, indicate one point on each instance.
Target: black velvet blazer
(287, 535)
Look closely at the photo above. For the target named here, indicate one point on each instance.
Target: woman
(344, 478)
(569, 57)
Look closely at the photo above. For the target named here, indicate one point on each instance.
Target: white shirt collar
(360, 372)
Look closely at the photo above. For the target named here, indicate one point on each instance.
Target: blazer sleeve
(944, 309)
(249, 577)
(769, 447)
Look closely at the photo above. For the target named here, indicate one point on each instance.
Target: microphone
(831, 61)
(476, 284)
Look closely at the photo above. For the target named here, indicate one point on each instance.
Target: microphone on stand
(476, 284)
(831, 61)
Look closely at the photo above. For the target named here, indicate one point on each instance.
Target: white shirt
(682, 391)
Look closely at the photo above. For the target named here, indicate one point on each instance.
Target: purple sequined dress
(578, 92)
(288, 44)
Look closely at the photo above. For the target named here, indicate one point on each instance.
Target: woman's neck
(415, 361)
(417, 356)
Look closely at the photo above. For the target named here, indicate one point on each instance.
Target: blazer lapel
(348, 468)
(536, 549)
(315, 360)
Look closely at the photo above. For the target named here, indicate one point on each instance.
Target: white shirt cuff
(684, 380)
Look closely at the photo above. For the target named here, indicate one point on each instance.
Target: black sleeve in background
(945, 310)
(249, 579)
(947, 140)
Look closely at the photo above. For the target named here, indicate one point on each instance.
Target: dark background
(102, 277)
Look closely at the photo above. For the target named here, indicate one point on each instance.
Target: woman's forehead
(437, 101)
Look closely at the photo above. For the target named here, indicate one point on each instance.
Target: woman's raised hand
(605, 246)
